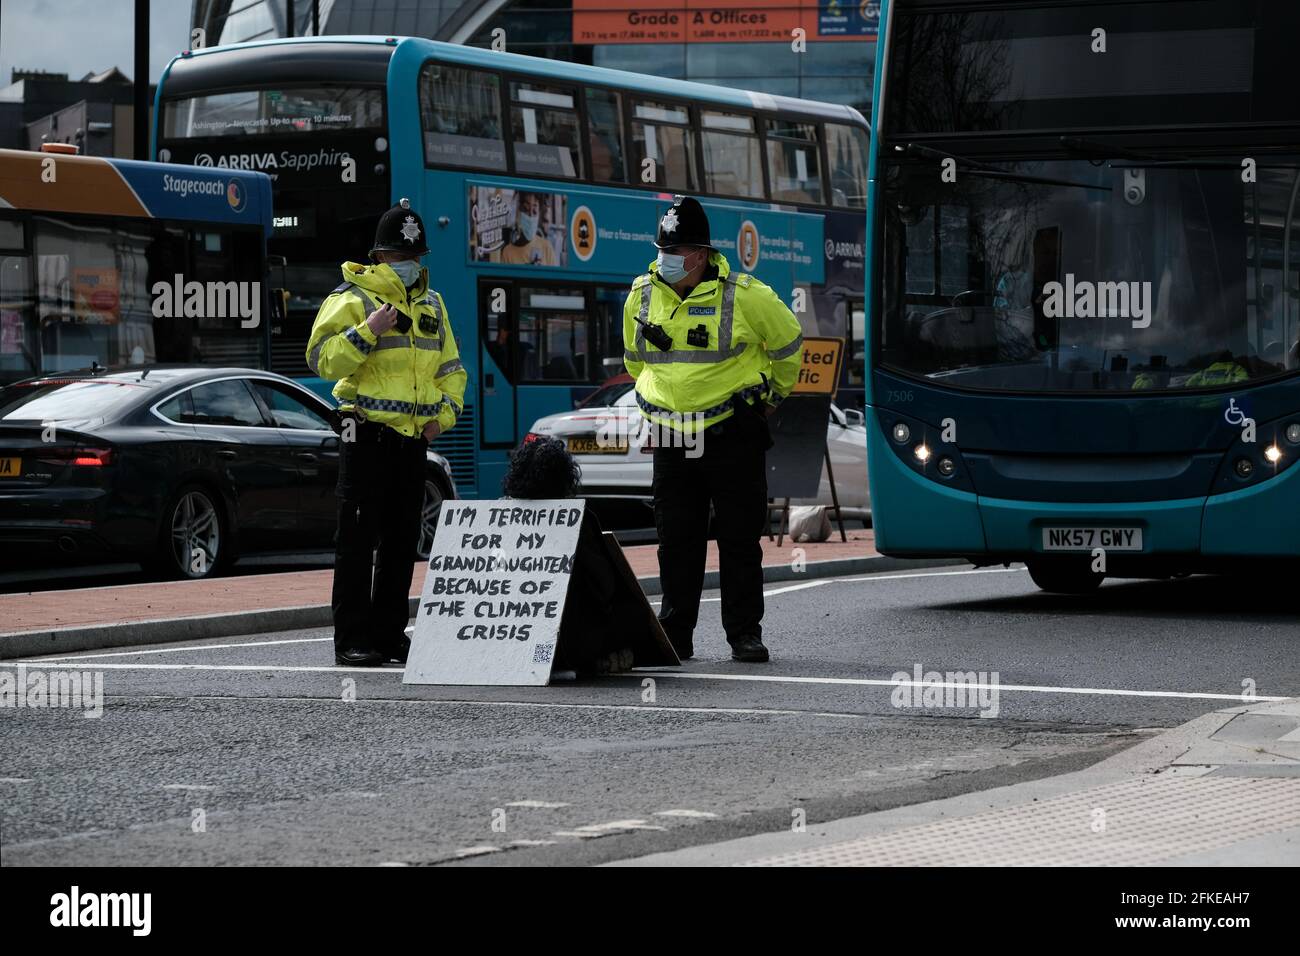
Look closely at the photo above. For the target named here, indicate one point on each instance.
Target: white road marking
(694, 814)
(532, 843)
(477, 850)
(187, 786)
(752, 678)
(392, 863)
(1023, 688)
(192, 647)
(15, 779)
(537, 804)
(604, 829)
(819, 582)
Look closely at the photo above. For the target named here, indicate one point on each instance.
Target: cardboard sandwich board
(495, 589)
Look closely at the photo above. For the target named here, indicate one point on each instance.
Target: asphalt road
(221, 754)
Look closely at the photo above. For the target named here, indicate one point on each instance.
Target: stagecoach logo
(236, 196)
(843, 250)
(747, 245)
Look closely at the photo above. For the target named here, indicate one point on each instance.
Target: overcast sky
(82, 36)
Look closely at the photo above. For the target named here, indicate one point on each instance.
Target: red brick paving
(50, 610)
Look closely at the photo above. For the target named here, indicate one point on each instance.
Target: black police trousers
(381, 492)
(730, 472)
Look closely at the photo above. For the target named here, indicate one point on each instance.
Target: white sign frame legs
(494, 592)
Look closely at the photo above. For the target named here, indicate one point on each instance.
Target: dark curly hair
(541, 468)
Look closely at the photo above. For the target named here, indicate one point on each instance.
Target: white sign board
(494, 592)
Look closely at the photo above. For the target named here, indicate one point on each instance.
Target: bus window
(18, 352)
(553, 343)
(544, 123)
(732, 162)
(609, 328)
(662, 134)
(846, 148)
(794, 161)
(254, 112)
(460, 112)
(605, 135)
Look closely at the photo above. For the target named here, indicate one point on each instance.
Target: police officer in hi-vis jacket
(713, 351)
(385, 337)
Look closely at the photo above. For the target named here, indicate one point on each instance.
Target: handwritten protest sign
(494, 592)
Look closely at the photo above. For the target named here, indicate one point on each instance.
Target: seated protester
(543, 468)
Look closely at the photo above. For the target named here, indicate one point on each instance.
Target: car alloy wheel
(195, 534)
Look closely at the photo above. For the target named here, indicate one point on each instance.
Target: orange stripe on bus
(81, 184)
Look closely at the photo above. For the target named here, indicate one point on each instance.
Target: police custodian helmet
(400, 230)
(685, 224)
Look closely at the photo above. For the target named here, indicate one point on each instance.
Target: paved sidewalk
(1221, 790)
(46, 622)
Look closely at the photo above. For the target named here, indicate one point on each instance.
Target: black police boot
(358, 657)
(397, 651)
(749, 649)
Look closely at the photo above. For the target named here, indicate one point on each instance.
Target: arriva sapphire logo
(236, 195)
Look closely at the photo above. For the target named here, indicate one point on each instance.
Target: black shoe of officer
(396, 652)
(748, 649)
(684, 647)
(358, 657)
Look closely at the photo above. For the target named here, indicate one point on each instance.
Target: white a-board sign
(494, 592)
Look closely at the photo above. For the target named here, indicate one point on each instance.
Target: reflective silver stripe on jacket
(724, 350)
(368, 302)
(404, 408)
(745, 394)
(788, 350)
(448, 367)
(353, 335)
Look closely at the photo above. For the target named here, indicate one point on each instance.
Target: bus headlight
(1244, 467)
(1273, 454)
(1293, 433)
(902, 434)
(922, 453)
(947, 466)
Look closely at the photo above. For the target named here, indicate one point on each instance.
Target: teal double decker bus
(1084, 287)
(540, 184)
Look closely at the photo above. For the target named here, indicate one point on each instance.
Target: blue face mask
(408, 270)
(527, 226)
(672, 268)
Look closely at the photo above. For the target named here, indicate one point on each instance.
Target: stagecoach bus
(111, 262)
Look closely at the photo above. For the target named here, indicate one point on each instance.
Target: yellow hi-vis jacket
(754, 347)
(400, 379)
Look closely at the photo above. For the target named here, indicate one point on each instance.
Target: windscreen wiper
(974, 168)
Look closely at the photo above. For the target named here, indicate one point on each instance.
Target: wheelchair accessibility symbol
(1238, 419)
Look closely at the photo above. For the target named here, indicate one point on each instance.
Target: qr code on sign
(542, 653)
